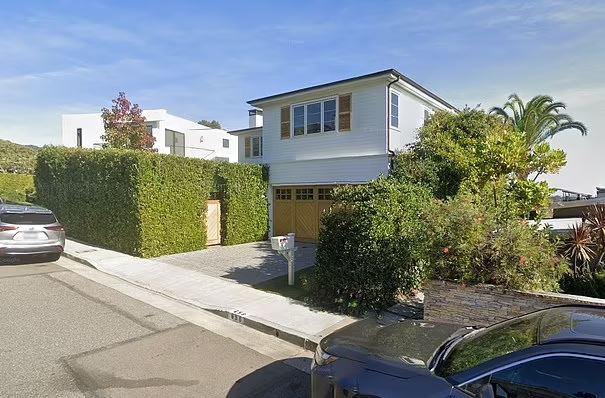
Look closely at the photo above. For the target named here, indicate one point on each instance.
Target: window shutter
(285, 123)
(344, 112)
(248, 147)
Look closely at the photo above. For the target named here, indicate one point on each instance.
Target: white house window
(79, 138)
(225, 143)
(329, 115)
(257, 146)
(299, 120)
(427, 115)
(394, 110)
(314, 117)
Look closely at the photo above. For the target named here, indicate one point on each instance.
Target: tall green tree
(125, 126)
(213, 124)
(539, 119)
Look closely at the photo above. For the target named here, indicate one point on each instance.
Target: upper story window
(427, 115)
(79, 138)
(314, 117)
(395, 110)
(253, 146)
(225, 143)
(176, 142)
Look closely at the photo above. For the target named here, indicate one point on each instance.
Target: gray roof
(386, 72)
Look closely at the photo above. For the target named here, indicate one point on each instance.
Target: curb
(304, 341)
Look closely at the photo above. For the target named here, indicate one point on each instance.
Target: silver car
(29, 230)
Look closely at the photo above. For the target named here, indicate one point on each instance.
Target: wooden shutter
(344, 112)
(248, 147)
(285, 123)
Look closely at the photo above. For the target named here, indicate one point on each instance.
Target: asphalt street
(64, 335)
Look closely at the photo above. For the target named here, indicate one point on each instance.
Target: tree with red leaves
(125, 126)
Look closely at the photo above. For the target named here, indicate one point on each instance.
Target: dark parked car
(558, 352)
(27, 230)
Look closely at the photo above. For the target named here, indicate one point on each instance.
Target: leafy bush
(590, 284)
(131, 201)
(148, 204)
(243, 191)
(472, 244)
(370, 246)
(16, 187)
(16, 158)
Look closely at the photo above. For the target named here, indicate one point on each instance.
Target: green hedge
(16, 187)
(148, 204)
(135, 202)
(242, 189)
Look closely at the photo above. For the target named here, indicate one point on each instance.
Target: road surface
(66, 331)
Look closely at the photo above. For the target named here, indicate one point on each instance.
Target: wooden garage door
(298, 209)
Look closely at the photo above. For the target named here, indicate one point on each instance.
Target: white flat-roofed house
(319, 137)
(173, 135)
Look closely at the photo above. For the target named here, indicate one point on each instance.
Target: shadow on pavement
(267, 264)
(278, 379)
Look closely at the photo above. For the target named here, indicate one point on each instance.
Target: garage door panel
(305, 220)
(283, 217)
(298, 209)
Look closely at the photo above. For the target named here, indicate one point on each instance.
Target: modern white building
(173, 135)
(319, 137)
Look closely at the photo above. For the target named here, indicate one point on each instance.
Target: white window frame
(398, 94)
(304, 105)
(259, 138)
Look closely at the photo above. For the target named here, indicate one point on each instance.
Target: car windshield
(28, 218)
(487, 344)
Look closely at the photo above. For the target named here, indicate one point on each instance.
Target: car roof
(15, 207)
(572, 324)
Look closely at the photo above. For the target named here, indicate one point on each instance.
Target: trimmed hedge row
(135, 202)
(147, 204)
(15, 187)
(242, 189)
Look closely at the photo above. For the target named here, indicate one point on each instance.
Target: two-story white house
(343, 132)
(173, 135)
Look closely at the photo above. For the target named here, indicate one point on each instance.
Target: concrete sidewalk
(277, 315)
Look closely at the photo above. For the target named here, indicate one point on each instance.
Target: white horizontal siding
(349, 170)
(367, 135)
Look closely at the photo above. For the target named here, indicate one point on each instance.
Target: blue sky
(203, 59)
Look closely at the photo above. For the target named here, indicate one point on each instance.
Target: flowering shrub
(472, 244)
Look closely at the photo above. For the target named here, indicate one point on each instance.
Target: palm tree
(539, 119)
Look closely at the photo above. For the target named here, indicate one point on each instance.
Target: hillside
(17, 158)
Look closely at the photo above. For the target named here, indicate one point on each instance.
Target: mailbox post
(285, 246)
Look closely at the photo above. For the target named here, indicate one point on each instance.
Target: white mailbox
(282, 242)
(285, 246)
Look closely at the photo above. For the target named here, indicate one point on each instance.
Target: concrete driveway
(250, 263)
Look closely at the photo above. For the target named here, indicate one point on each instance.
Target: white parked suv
(27, 230)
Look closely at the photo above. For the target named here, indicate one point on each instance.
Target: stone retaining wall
(482, 305)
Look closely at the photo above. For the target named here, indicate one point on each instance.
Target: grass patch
(280, 286)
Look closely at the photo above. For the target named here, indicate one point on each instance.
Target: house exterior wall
(366, 138)
(200, 141)
(241, 136)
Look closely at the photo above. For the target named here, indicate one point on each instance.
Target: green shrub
(243, 191)
(370, 246)
(591, 284)
(148, 204)
(135, 202)
(16, 187)
(472, 244)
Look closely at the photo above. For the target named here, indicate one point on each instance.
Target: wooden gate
(213, 222)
